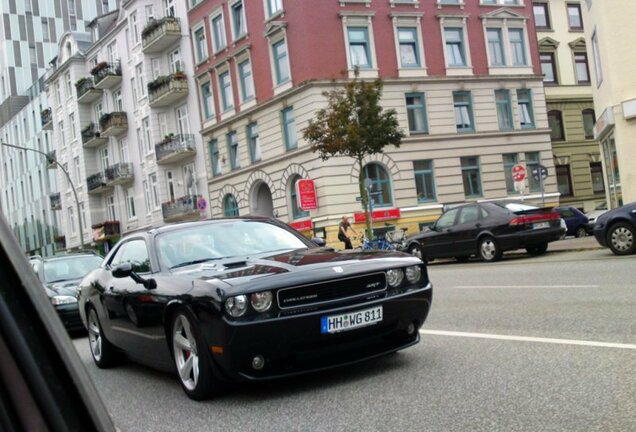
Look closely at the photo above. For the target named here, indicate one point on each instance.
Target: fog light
(258, 362)
(411, 329)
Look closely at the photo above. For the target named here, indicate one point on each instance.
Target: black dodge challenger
(248, 299)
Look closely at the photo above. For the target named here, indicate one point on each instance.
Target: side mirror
(319, 241)
(122, 270)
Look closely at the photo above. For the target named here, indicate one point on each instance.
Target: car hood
(624, 210)
(593, 215)
(67, 287)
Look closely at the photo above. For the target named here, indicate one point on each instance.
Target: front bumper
(599, 234)
(70, 316)
(527, 238)
(294, 345)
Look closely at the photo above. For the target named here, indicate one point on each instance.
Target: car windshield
(72, 267)
(207, 242)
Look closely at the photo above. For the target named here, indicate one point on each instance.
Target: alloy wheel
(622, 239)
(94, 335)
(488, 249)
(416, 251)
(185, 352)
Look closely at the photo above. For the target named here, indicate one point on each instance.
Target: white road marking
(529, 339)
(523, 286)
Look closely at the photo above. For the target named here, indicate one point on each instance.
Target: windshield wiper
(197, 261)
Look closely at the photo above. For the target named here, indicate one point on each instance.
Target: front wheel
(620, 238)
(539, 249)
(581, 232)
(489, 250)
(416, 250)
(104, 353)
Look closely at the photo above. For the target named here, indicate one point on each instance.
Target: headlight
(236, 306)
(413, 274)
(261, 301)
(394, 277)
(62, 300)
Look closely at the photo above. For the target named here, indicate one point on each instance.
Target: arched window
(297, 212)
(230, 206)
(381, 184)
(555, 120)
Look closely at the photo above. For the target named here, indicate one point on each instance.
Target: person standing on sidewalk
(343, 236)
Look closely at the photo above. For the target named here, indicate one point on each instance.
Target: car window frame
(120, 248)
(462, 209)
(457, 209)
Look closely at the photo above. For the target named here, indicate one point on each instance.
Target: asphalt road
(527, 344)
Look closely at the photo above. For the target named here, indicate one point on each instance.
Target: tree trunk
(364, 200)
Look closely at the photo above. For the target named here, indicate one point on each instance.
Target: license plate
(541, 225)
(351, 320)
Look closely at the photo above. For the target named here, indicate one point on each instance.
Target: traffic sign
(539, 170)
(518, 173)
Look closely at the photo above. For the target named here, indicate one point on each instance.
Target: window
(238, 19)
(564, 182)
(139, 70)
(45, 30)
(183, 120)
(509, 160)
(218, 33)
(297, 212)
(147, 196)
(463, 111)
(154, 189)
(548, 68)
(281, 62)
(69, 85)
(200, 45)
(117, 101)
(78, 174)
(596, 171)
(504, 109)
(524, 104)
(233, 150)
(359, 53)
(123, 150)
(447, 219)
(581, 68)
(597, 59)
(130, 203)
(289, 128)
(555, 121)
(533, 160)
(32, 56)
(134, 28)
(71, 122)
(253, 141)
(455, 49)
(72, 15)
(134, 252)
(145, 127)
(230, 206)
(380, 183)
(424, 180)
(589, 118)
(541, 16)
(495, 47)
(71, 220)
(273, 7)
(215, 160)
(517, 47)
(471, 176)
(416, 112)
(574, 16)
(60, 127)
(110, 208)
(247, 82)
(225, 87)
(409, 49)
(206, 99)
(174, 59)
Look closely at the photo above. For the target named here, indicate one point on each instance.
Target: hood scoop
(223, 266)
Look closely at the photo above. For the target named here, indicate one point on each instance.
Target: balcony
(92, 138)
(97, 184)
(160, 34)
(106, 75)
(86, 91)
(106, 230)
(56, 201)
(175, 148)
(167, 90)
(47, 119)
(51, 162)
(60, 242)
(119, 174)
(113, 124)
(184, 208)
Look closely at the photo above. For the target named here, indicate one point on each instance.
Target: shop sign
(378, 215)
(306, 193)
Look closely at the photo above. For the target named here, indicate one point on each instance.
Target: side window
(484, 213)
(469, 214)
(447, 219)
(116, 260)
(134, 252)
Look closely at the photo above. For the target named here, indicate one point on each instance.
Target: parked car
(616, 229)
(575, 219)
(594, 214)
(486, 230)
(248, 299)
(60, 275)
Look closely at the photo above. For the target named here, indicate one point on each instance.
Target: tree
(354, 125)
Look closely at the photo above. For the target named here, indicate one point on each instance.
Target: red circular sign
(518, 173)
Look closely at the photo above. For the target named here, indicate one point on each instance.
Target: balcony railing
(120, 173)
(106, 75)
(160, 34)
(175, 148)
(47, 118)
(56, 201)
(106, 230)
(166, 90)
(184, 208)
(97, 183)
(113, 124)
(91, 137)
(86, 91)
(50, 160)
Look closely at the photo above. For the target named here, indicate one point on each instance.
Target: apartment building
(563, 52)
(463, 76)
(122, 108)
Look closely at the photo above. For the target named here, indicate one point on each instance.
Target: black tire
(416, 250)
(621, 238)
(538, 249)
(580, 232)
(196, 387)
(463, 258)
(489, 249)
(105, 354)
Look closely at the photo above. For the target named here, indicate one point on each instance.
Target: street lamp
(68, 177)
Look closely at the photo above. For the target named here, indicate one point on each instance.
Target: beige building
(570, 108)
(609, 28)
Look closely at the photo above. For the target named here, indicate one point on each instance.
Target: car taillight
(529, 219)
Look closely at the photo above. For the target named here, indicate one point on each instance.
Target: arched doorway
(261, 203)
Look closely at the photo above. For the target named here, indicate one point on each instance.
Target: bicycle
(379, 244)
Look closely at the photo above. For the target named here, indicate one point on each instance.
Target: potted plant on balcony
(179, 75)
(166, 139)
(99, 67)
(104, 120)
(83, 82)
(150, 27)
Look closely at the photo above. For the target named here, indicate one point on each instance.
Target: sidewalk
(573, 243)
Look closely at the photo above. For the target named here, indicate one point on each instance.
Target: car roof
(181, 225)
(72, 255)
